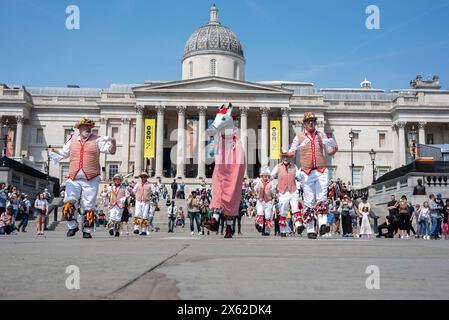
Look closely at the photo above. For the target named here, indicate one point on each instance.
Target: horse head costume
(229, 171)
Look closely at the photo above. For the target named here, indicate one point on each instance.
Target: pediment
(210, 84)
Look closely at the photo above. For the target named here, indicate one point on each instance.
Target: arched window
(236, 71)
(213, 67)
(191, 69)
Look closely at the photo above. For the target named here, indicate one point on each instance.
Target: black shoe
(87, 235)
(72, 232)
(311, 235)
(143, 233)
(117, 234)
(136, 231)
(111, 232)
(283, 235)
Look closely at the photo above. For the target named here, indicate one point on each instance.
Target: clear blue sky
(129, 41)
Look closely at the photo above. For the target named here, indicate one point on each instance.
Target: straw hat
(85, 122)
(309, 116)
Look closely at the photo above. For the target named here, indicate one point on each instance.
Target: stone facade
(384, 121)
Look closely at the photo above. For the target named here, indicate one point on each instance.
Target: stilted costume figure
(229, 171)
(265, 191)
(143, 192)
(119, 194)
(313, 146)
(287, 173)
(84, 175)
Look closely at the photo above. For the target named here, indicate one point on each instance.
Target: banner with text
(275, 139)
(150, 132)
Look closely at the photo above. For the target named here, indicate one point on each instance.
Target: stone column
(160, 141)
(264, 160)
(19, 138)
(285, 128)
(422, 132)
(244, 134)
(202, 142)
(103, 132)
(125, 145)
(138, 157)
(180, 155)
(401, 133)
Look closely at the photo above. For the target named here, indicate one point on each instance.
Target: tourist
(332, 210)
(365, 228)
(445, 220)
(403, 207)
(3, 196)
(424, 219)
(389, 225)
(14, 199)
(174, 189)
(25, 214)
(435, 216)
(392, 207)
(242, 211)
(193, 207)
(172, 212)
(40, 211)
(6, 221)
(182, 187)
(125, 215)
(346, 206)
(415, 218)
(337, 218)
(440, 204)
(180, 219)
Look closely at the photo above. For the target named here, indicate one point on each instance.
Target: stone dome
(213, 37)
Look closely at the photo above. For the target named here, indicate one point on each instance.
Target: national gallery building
(392, 124)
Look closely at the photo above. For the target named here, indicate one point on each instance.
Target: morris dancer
(313, 146)
(84, 175)
(287, 173)
(229, 171)
(266, 192)
(119, 194)
(143, 192)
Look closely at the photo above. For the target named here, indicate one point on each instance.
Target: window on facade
(190, 69)
(356, 138)
(165, 131)
(213, 67)
(357, 177)
(381, 172)
(113, 170)
(64, 172)
(133, 133)
(382, 138)
(40, 136)
(67, 134)
(429, 138)
(114, 133)
(236, 70)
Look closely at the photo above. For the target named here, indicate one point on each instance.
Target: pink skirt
(229, 172)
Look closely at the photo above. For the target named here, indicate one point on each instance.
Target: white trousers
(85, 192)
(322, 220)
(142, 211)
(287, 199)
(264, 209)
(315, 187)
(115, 213)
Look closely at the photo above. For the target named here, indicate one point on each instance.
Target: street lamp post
(351, 139)
(372, 154)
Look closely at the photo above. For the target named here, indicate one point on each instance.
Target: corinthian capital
(140, 109)
(265, 111)
(20, 119)
(285, 111)
(422, 125)
(202, 110)
(401, 124)
(244, 111)
(160, 109)
(181, 110)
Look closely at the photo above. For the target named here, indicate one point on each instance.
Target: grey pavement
(181, 266)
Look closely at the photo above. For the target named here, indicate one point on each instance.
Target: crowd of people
(16, 208)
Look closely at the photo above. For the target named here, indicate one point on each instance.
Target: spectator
(389, 225)
(435, 216)
(125, 215)
(403, 208)
(424, 221)
(415, 218)
(392, 207)
(104, 197)
(6, 221)
(238, 219)
(445, 220)
(440, 204)
(180, 220)
(182, 186)
(337, 217)
(40, 211)
(172, 212)
(365, 228)
(332, 210)
(26, 214)
(3, 196)
(14, 198)
(174, 189)
(47, 195)
(193, 206)
(346, 206)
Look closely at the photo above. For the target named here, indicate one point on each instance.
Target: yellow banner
(150, 132)
(275, 139)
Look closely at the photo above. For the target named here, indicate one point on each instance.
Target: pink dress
(227, 179)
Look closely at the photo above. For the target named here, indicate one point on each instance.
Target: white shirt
(103, 143)
(275, 171)
(328, 142)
